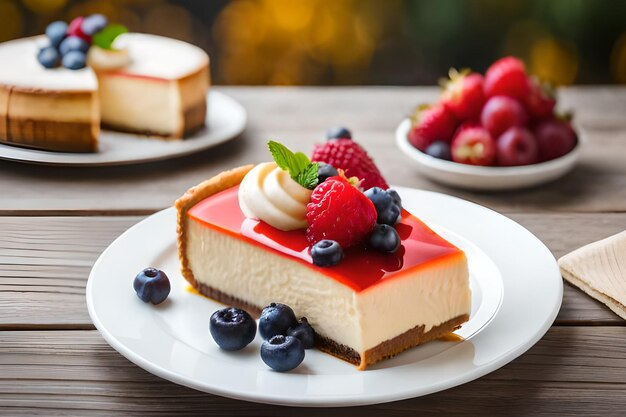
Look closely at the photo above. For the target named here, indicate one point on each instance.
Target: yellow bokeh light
(553, 60)
(44, 6)
(11, 24)
(290, 15)
(234, 28)
(287, 42)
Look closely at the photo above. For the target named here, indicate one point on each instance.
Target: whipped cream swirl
(269, 194)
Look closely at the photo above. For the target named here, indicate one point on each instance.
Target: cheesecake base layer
(385, 350)
(71, 122)
(389, 348)
(50, 135)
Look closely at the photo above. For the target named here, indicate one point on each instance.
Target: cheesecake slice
(161, 91)
(369, 307)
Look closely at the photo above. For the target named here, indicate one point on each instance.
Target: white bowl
(487, 178)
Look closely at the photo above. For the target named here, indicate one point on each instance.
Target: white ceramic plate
(487, 178)
(226, 119)
(516, 286)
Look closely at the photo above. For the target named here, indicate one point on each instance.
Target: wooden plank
(598, 183)
(45, 262)
(44, 266)
(572, 370)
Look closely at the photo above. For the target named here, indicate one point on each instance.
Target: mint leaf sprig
(105, 38)
(298, 165)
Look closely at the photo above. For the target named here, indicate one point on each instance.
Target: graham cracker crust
(50, 135)
(384, 350)
(389, 348)
(193, 196)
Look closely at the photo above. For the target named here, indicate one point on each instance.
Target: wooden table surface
(55, 222)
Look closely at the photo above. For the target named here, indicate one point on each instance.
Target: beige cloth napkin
(599, 269)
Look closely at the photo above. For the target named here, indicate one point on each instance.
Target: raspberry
(353, 159)
(555, 138)
(75, 29)
(339, 211)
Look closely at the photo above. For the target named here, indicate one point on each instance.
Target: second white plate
(516, 286)
(225, 120)
(491, 178)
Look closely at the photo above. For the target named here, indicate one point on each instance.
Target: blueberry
(275, 319)
(55, 32)
(73, 43)
(49, 57)
(304, 332)
(326, 253)
(384, 238)
(93, 24)
(152, 285)
(439, 150)
(395, 197)
(232, 328)
(338, 133)
(388, 212)
(326, 171)
(282, 353)
(74, 60)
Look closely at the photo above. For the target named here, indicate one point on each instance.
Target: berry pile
(285, 337)
(69, 44)
(340, 215)
(505, 118)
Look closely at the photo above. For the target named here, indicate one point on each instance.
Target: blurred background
(349, 42)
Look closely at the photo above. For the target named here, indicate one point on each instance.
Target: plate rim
(345, 400)
(37, 156)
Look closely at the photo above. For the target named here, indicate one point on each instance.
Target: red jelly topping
(361, 267)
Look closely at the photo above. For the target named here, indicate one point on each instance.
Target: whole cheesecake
(369, 307)
(159, 90)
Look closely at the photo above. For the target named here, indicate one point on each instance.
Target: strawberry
(463, 94)
(507, 77)
(501, 113)
(430, 124)
(540, 100)
(353, 159)
(339, 211)
(473, 145)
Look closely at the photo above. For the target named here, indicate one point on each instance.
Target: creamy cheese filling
(433, 294)
(140, 103)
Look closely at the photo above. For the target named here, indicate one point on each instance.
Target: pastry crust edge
(193, 196)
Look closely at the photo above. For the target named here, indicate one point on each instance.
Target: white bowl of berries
(497, 132)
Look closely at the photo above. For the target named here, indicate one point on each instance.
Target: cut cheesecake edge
(360, 307)
(71, 122)
(192, 197)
